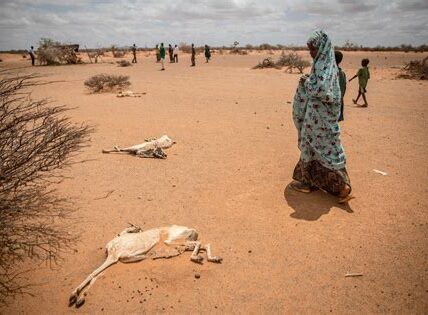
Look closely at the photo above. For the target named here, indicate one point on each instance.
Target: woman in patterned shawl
(316, 111)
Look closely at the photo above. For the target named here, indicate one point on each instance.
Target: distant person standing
(170, 53)
(363, 77)
(162, 55)
(207, 53)
(32, 55)
(158, 58)
(134, 53)
(342, 80)
(193, 56)
(176, 53)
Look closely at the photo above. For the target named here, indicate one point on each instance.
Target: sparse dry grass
(123, 63)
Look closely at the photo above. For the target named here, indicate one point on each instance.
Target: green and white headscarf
(322, 82)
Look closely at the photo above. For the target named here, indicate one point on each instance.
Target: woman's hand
(303, 79)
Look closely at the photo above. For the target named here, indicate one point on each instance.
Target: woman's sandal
(346, 198)
(298, 186)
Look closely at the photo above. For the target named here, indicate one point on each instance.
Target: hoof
(198, 259)
(72, 299)
(80, 302)
(216, 259)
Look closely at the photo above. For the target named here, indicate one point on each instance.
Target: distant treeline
(348, 46)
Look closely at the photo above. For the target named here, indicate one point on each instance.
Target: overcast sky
(94, 23)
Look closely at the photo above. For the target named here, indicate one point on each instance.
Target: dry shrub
(186, 48)
(54, 53)
(107, 82)
(301, 65)
(117, 53)
(237, 51)
(123, 63)
(36, 141)
(267, 63)
(97, 54)
(291, 60)
(416, 69)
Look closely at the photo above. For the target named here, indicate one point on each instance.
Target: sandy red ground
(284, 252)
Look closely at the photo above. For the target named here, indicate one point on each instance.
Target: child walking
(363, 77)
(342, 80)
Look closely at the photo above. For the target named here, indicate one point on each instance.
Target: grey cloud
(219, 22)
(412, 5)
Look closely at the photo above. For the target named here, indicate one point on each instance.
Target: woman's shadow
(311, 206)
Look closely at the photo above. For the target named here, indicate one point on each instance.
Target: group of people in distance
(317, 110)
(173, 54)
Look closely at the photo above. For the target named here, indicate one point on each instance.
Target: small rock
(267, 127)
(249, 252)
(236, 102)
(197, 275)
(173, 185)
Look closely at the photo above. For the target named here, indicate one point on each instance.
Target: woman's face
(312, 50)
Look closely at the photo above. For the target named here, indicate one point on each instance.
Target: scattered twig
(106, 196)
(380, 172)
(351, 274)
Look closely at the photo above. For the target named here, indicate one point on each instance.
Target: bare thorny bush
(107, 82)
(36, 141)
(290, 60)
(415, 69)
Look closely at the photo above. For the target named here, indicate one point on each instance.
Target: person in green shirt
(342, 80)
(162, 55)
(363, 77)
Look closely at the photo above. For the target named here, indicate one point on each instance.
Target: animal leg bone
(75, 295)
(210, 258)
(195, 257)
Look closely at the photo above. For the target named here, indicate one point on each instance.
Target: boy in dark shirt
(342, 80)
(134, 53)
(193, 55)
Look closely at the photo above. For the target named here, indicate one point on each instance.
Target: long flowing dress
(316, 110)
